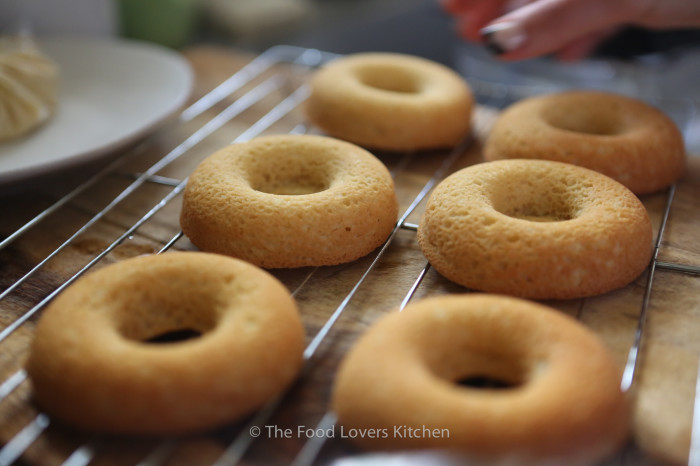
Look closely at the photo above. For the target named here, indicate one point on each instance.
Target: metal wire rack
(261, 97)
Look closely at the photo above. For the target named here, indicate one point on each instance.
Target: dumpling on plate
(28, 86)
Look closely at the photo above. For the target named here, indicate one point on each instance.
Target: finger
(463, 10)
(584, 46)
(473, 18)
(456, 7)
(548, 25)
(668, 14)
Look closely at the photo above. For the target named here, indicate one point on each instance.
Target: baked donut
(535, 229)
(28, 86)
(561, 403)
(289, 201)
(390, 101)
(621, 137)
(92, 363)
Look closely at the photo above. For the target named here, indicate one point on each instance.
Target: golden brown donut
(390, 101)
(621, 137)
(401, 381)
(91, 364)
(290, 201)
(535, 229)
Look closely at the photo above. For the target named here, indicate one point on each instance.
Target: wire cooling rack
(134, 201)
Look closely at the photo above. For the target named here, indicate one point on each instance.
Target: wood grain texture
(663, 392)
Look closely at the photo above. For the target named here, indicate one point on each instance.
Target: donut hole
(540, 213)
(175, 336)
(390, 79)
(290, 176)
(482, 366)
(484, 382)
(490, 371)
(481, 355)
(297, 186)
(167, 317)
(584, 119)
(525, 200)
(167, 325)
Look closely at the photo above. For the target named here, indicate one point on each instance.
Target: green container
(167, 22)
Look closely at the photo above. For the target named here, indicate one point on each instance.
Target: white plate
(112, 93)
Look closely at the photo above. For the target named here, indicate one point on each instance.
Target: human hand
(570, 29)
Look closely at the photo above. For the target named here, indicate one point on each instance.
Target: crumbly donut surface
(390, 101)
(535, 229)
(91, 366)
(621, 137)
(564, 405)
(290, 201)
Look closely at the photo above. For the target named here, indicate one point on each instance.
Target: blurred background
(659, 67)
(412, 26)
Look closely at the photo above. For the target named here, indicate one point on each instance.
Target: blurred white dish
(112, 93)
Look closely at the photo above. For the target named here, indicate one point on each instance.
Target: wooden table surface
(664, 383)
